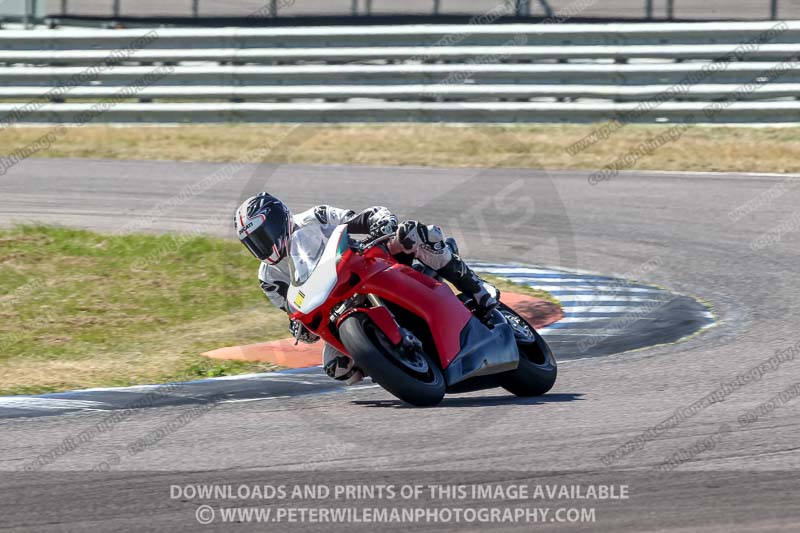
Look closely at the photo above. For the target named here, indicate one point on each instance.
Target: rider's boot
(340, 367)
(486, 295)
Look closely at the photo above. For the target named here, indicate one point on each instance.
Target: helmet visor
(260, 245)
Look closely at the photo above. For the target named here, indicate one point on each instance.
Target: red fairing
(424, 296)
(351, 267)
(377, 272)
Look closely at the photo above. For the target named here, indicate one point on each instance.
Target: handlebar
(364, 245)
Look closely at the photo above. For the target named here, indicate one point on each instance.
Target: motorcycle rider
(264, 225)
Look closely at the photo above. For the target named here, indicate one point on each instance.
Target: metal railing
(646, 9)
(743, 72)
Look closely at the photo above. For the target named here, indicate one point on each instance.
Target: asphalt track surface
(685, 225)
(601, 316)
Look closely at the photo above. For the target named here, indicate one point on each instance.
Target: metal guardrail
(434, 76)
(706, 92)
(439, 35)
(335, 55)
(505, 112)
(648, 9)
(503, 73)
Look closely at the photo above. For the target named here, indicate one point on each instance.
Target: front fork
(375, 301)
(408, 340)
(385, 321)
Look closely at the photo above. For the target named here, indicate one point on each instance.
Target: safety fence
(209, 9)
(556, 72)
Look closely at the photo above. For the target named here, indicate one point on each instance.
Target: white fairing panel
(316, 289)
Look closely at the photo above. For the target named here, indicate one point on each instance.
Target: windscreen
(305, 251)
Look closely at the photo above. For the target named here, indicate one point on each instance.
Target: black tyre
(537, 370)
(410, 376)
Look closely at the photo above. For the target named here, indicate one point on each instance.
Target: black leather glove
(301, 333)
(382, 223)
(408, 235)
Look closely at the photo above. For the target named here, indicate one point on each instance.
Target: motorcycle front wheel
(537, 370)
(410, 375)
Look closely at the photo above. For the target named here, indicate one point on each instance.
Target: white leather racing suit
(275, 279)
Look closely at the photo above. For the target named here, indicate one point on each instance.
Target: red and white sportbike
(404, 327)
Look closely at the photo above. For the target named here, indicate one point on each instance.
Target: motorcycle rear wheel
(537, 370)
(412, 377)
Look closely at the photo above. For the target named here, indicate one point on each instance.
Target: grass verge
(79, 309)
(699, 148)
(84, 310)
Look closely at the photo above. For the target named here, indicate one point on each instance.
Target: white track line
(245, 400)
(578, 319)
(607, 298)
(600, 289)
(47, 404)
(521, 270)
(631, 309)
